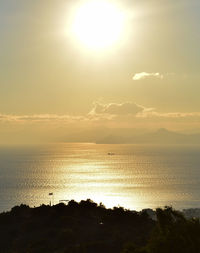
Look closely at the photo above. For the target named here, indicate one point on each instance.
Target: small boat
(111, 153)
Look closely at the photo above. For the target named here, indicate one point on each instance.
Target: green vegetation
(86, 227)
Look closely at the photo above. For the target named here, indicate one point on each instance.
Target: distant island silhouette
(87, 227)
(132, 136)
(161, 136)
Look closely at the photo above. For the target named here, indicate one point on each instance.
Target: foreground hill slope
(86, 227)
(76, 227)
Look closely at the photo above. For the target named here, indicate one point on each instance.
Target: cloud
(170, 115)
(39, 118)
(145, 75)
(127, 113)
(116, 108)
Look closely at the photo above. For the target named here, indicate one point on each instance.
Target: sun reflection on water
(135, 177)
(101, 183)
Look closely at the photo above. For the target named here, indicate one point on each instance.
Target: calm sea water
(135, 177)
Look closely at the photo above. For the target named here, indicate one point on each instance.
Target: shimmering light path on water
(136, 176)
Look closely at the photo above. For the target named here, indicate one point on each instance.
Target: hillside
(76, 227)
(86, 227)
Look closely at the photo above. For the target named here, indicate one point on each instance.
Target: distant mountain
(101, 134)
(161, 136)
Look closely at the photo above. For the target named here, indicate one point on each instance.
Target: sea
(131, 176)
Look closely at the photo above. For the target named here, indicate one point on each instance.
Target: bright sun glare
(98, 24)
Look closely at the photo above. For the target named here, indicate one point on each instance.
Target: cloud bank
(125, 114)
(39, 118)
(116, 108)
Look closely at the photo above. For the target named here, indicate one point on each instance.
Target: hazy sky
(151, 79)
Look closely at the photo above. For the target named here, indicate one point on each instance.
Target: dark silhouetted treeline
(86, 227)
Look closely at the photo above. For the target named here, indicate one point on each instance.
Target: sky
(53, 86)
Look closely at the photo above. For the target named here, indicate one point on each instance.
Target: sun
(98, 24)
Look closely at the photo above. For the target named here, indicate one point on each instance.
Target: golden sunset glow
(100, 99)
(98, 24)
